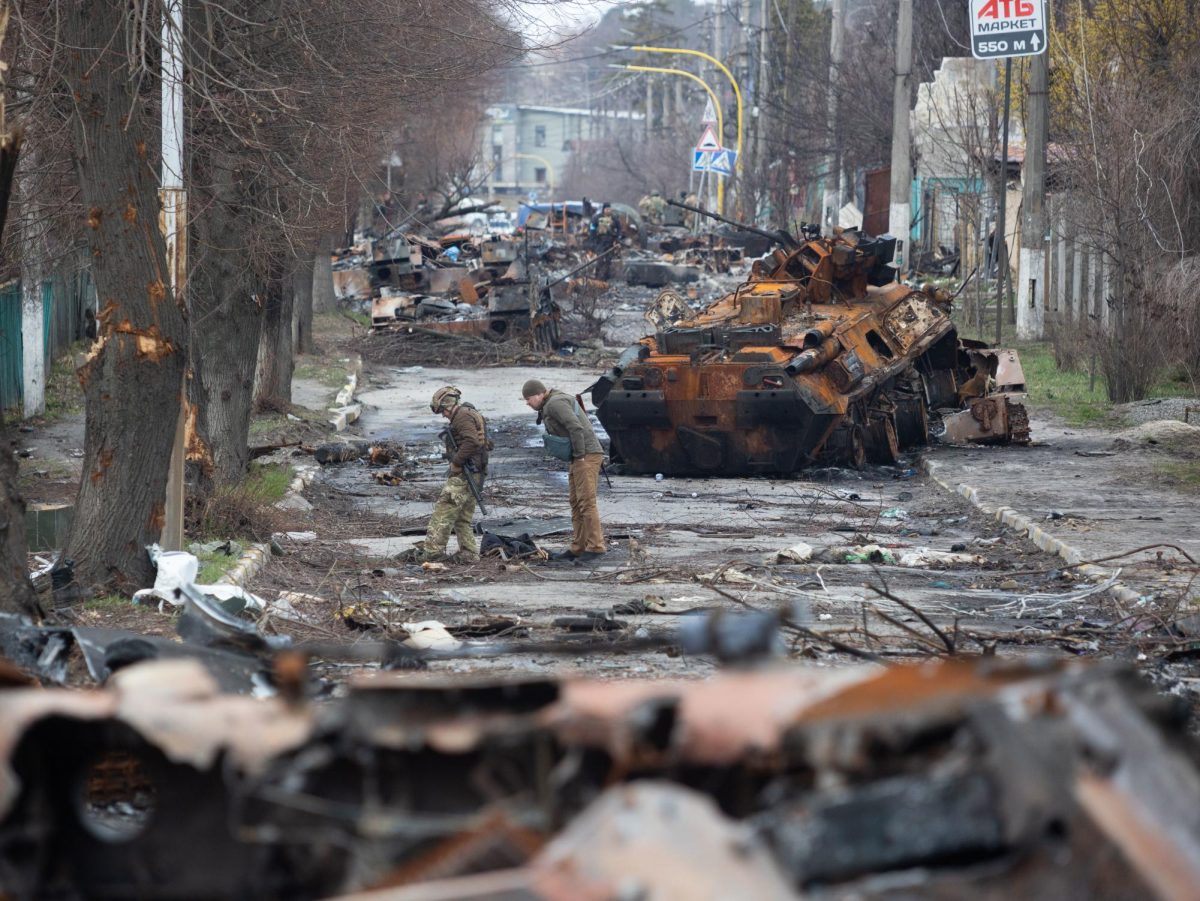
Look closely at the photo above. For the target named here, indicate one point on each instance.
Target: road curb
(255, 557)
(1025, 526)
(250, 564)
(344, 409)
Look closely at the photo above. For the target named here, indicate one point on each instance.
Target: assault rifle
(468, 470)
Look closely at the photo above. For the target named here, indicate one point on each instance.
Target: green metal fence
(64, 298)
(11, 357)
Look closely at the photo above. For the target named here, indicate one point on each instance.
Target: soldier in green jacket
(456, 504)
(568, 427)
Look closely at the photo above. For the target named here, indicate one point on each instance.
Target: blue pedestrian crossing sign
(723, 161)
(700, 160)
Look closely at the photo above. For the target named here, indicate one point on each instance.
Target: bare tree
(16, 591)
(1123, 113)
(134, 376)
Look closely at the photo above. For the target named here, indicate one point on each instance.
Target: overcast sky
(563, 17)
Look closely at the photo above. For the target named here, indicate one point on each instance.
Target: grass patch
(64, 395)
(268, 482)
(336, 323)
(55, 471)
(213, 565)
(245, 510)
(330, 375)
(1067, 393)
(107, 602)
(1183, 474)
(264, 423)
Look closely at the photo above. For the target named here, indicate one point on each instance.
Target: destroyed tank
(820, 357)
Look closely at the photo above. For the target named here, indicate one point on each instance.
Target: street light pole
(174, 228)
(712, 95)
(900, 211)
(737, 91)
(832, 200)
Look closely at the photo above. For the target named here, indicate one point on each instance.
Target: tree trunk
(302, 283)
(273, 381)
(133, 379)
(16, 592)
(324, 300)
(227, 325)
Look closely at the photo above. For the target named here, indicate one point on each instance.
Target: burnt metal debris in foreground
(995, 779)
(820, 357)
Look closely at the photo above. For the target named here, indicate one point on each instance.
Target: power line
(654, 39)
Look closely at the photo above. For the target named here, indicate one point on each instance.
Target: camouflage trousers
(452, 513)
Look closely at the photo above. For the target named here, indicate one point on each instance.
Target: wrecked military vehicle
(820, 357)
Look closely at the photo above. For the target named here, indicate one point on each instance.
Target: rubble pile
(1045, 781)
(473, 284)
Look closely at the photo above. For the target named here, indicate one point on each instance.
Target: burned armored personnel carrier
(821, 357)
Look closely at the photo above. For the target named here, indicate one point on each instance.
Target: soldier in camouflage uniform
(456, 504)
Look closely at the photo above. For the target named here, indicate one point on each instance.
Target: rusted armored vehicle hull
(818, 359)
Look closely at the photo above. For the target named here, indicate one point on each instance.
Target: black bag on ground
(521, 546)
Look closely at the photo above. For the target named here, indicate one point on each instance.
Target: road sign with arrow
(1005, 28)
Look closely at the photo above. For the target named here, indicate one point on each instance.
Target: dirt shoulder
(1105, 492)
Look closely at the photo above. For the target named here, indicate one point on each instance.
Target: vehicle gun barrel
(779, 237)
(592, 262)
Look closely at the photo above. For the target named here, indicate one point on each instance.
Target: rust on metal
(1044, 780)
(820, 357)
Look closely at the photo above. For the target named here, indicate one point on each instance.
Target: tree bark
(273, 381)
(302, 282)
(133, 379)
(227, 322)
(16, 591)
(324, 300)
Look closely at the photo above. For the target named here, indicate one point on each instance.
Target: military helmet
(444, 397)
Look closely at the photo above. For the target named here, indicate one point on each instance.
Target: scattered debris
(177, 570)
(430, 635)
(797, 553)
(408, 781)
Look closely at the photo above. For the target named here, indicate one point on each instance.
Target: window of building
(539, 136)
(539, 175)
(497, 160)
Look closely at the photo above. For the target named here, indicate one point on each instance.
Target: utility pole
(760, 95)
(1031, 292)
(831, 201)
(900, 211)
(174, 226)
(1000, 241)
(649, 106)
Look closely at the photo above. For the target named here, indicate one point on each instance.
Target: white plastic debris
(430, 635)
(797, 553)
(284, 606)
(731, 575)
(179, 568)
(923, 556)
